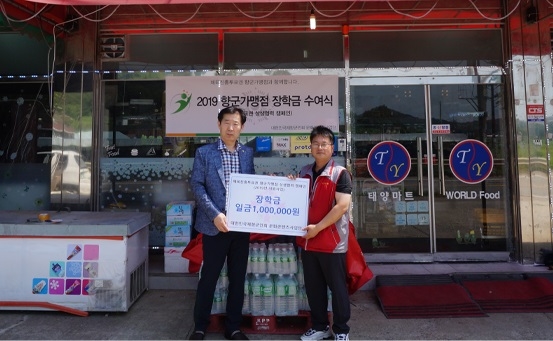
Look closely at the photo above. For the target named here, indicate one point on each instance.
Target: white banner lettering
(274, 104)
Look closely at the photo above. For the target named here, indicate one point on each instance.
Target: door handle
(419, 167)
(441, 173)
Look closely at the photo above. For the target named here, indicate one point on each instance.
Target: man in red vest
(325, 242)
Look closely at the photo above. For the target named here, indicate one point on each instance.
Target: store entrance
(437, 210)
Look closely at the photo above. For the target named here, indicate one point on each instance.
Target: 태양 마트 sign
(267, 204)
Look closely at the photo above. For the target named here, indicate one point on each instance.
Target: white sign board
(441, 129)
(267, 204)
(274, 104)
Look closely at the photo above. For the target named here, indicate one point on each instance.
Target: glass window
(439, 48)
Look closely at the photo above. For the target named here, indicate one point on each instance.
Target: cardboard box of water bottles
(180, 213)
(174, 261)
(177, 235)
(180, 208)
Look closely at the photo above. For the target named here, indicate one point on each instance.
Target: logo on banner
(389, 162)
(471, 161)
(183, 102)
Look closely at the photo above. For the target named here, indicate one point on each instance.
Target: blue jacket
(208, 184)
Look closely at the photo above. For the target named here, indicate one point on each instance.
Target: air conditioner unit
(113, 48)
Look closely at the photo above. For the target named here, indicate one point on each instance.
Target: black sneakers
(236, 335)
(197, 335)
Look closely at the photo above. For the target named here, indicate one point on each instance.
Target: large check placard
(267, 204)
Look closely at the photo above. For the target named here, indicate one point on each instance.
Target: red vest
(333, 239)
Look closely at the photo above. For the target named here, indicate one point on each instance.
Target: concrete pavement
(166, 314)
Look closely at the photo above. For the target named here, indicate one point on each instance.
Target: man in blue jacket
(213, 165)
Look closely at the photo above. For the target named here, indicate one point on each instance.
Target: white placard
(281, 143)
(267, 204)
(275, 105)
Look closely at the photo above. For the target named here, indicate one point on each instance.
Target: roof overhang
(175, 2)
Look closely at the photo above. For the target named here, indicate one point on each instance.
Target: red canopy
(172, 2)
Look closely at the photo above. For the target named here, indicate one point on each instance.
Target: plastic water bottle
(278, 259)
(292, 296)
(254, 256)
(216, 307)
(271, 259)
(281, 307)
(268, 295)
(223, 304)
(256, 298)
(246, 309)
(249, 267)
(222, 282)
(285, 259)
(293, 259)
(329, 303)
(304, 303)
(262, 259)
(301, 279)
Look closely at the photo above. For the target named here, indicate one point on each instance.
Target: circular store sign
(471, 161)
(389, 162)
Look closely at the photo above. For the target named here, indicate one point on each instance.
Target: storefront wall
(530, 71)
(108, 180)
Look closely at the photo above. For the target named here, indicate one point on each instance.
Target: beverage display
(286, 296)
(273, 284)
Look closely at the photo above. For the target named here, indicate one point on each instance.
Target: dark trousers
(321, 270)
(234, 246)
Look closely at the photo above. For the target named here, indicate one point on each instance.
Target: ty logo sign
(471, 161)
(389, 162)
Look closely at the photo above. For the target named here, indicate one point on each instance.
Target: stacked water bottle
(271, 286)
(221, 290)
(274, 283)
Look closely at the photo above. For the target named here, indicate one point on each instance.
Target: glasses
(320, 145)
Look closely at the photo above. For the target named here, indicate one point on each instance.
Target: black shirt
(344, 183)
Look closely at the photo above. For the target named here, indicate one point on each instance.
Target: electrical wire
(51, 71)
(85, 16)
(261, 17)
(496, 19)
(23, 20)
(332, 16)
(177, 22)
(412, 16)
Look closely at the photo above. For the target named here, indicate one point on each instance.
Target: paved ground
(162, 314)
(167, 315)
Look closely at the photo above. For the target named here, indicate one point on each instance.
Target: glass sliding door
(471, 209)
(390, 113)
(453, 199)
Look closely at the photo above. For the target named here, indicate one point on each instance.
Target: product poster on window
(274, 104)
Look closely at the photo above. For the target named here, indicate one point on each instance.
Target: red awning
(174, 2)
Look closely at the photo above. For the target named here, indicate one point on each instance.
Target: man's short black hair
(321, 131)
(232, 110)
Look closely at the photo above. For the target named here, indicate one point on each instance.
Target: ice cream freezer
(74, 261)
